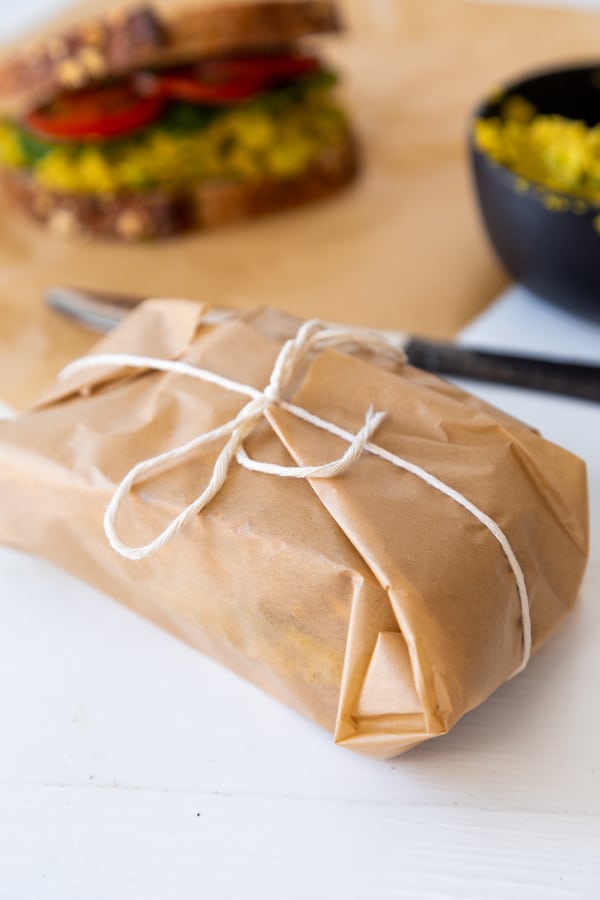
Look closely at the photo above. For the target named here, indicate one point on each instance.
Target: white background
(121, 777)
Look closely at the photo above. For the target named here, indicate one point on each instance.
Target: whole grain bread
(145, 215)
(121, 38)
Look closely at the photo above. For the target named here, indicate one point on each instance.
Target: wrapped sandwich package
(381, 601)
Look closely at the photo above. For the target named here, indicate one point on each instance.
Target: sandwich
(152, 120)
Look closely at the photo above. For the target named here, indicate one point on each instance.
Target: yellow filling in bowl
(560, 154)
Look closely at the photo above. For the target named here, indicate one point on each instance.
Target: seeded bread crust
(150, 35)
(156, 214)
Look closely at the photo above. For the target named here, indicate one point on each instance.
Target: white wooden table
(132, 767)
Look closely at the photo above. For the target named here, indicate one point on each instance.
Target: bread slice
(128, 37)
(159, 213)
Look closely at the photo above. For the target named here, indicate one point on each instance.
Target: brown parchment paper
(403, 248)
(370, 602)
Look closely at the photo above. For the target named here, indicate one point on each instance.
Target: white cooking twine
(311, 336)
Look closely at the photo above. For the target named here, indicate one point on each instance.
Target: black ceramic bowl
(556, 254)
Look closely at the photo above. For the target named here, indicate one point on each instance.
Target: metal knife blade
(102, 311)
(95, 310)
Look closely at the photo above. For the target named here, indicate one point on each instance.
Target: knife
(101, 311)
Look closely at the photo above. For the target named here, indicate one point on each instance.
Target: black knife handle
(573, 379)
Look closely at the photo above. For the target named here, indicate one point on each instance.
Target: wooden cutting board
(403, 248)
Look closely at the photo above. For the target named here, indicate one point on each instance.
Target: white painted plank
(88, 842)
(521, 322)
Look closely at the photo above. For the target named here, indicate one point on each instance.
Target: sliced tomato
(95, 113)
(185, 85)
(269, 68)
(223, 81)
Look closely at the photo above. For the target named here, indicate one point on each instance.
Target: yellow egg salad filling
(560, 154)
(268, 136)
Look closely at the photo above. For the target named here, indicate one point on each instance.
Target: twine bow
(312, 336)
